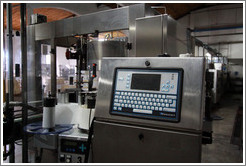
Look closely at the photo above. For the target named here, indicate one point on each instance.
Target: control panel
(147, 93)
(72, 147)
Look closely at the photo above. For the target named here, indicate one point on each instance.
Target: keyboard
(144, 103)
(147, 93)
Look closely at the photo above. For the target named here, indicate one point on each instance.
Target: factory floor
(221, 150)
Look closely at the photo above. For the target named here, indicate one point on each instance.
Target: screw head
(147, 63)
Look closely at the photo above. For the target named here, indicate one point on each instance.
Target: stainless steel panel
(44, 31)
(176, 41)
(135, 11)
(114, 143)
(96, 50)
(110, 20)
(64, 27)
(192, 97)
(149, 37)
(158, 35)
(34, 80)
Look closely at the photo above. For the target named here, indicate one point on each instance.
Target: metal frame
(104, 21)
(10, 52)
(10, 70)
(24, 82)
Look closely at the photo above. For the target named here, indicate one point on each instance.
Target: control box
(147, 93)
(72, 146)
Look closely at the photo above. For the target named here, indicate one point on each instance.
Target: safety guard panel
(147, 93)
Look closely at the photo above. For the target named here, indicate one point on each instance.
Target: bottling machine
(76, 105)
(150, 106)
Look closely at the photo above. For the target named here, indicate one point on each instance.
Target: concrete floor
(220, 151)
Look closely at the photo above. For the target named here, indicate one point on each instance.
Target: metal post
(188, 38)
(10, 52)
(24, 82)
(79, 63)
(78, 72)
(10, 69)
(53, 68)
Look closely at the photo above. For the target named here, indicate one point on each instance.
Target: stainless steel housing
(96, 50)
(128, 139)
(160, 34)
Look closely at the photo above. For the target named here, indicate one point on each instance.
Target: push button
(82, 148)
(62, 158)
(68, 159)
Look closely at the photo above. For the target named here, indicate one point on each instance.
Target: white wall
(229, 42)
(231, 50)
(219, 17)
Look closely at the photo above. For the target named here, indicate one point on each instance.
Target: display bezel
(176, 119)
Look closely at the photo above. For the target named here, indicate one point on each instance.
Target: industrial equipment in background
(148, 102)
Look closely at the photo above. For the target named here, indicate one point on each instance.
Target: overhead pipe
(216, 29)
(206, 46)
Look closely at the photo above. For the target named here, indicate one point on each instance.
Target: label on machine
(147, 93)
